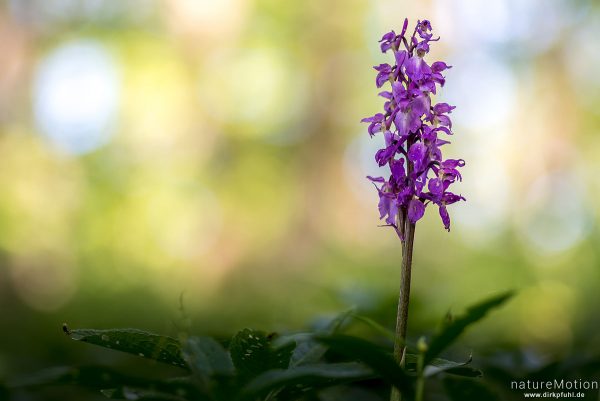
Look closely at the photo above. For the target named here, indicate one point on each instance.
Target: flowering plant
(414, 132)
(255, 366)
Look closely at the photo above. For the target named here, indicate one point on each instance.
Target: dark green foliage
(147, 345)
(453, 328)
(255, 366)
(253, 353)
(468, 390)
(372, 355)
(107, 380)
(127, 393)
(309, 351)
(87, 376)
(305, 378)
(206, 357)
(439, 365)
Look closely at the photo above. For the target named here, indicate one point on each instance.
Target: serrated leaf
(133, 341)
(454, 328)
(371, 355)
(439, 365)
(252, 353)
(207, 357)
(307, 376)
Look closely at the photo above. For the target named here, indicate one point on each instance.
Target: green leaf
(206, 357)
(389, 334)
(110, 381)
(372, 355)
(451, 330)
(281, 356)
(309, 351)
(439, 365)
(349, 392)
(468, 390)
(137, 342)
(307, 376)
(337, 323)
(132, 393)
(88, 376)
(252, 353)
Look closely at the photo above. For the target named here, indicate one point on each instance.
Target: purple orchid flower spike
(412, 126)
(414, 129)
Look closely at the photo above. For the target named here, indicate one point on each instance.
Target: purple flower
(400, 57)
(436, 187)
(414, 131)
(406, 122)
(439, 66)
(416, 154)
(422, 48)
(424, 29)
(388, 207)
(387, 41)
(421, 104)
(376, 123)
(416, 210)
(445, 217)
(397, 170)
(417, 68)
(384, 73)
(439, 114)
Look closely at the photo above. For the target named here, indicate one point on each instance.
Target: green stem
(404, 298)
(420, 386)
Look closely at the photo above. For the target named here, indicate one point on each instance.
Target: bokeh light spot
(359, 163)
(43, 283)
(555, 214)
(480, 76)
(76, 96)
(546, 315)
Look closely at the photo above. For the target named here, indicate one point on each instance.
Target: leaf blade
(452, 330)
(252, 352)
(206, 357)
(317, 375)
(309, 351)
(133, 341)
(371, 355)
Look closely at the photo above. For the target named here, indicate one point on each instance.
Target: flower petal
(436, 187)
(416, 210)
(445, 217)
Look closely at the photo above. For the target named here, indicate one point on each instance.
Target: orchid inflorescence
(410, 126)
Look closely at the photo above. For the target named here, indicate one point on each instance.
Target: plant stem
(404, 298)
(420, 387)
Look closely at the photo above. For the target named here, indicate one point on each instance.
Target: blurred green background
(211, 151)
